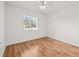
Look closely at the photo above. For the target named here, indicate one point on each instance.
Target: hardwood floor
(42, 47)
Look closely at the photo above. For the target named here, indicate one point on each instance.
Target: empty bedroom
(39, 28)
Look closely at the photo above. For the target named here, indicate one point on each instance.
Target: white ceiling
(35, 5)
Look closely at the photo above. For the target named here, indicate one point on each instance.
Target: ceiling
(35, 5)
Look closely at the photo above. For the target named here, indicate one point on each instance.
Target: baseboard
(28, 40)
(3, 49)
(47, 38)
(64, 41)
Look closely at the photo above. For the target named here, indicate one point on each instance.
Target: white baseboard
(65, 41)
(27, 39)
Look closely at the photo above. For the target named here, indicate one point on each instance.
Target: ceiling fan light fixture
(45, 2)
(43, 6)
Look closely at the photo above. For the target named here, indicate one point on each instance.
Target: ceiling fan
(43, 5)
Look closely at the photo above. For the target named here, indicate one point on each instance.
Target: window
(30, 23)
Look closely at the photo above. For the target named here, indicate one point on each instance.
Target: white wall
(15, 32)
(2, 28)
(63, 23)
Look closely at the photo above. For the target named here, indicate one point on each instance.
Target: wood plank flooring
(41, 47)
